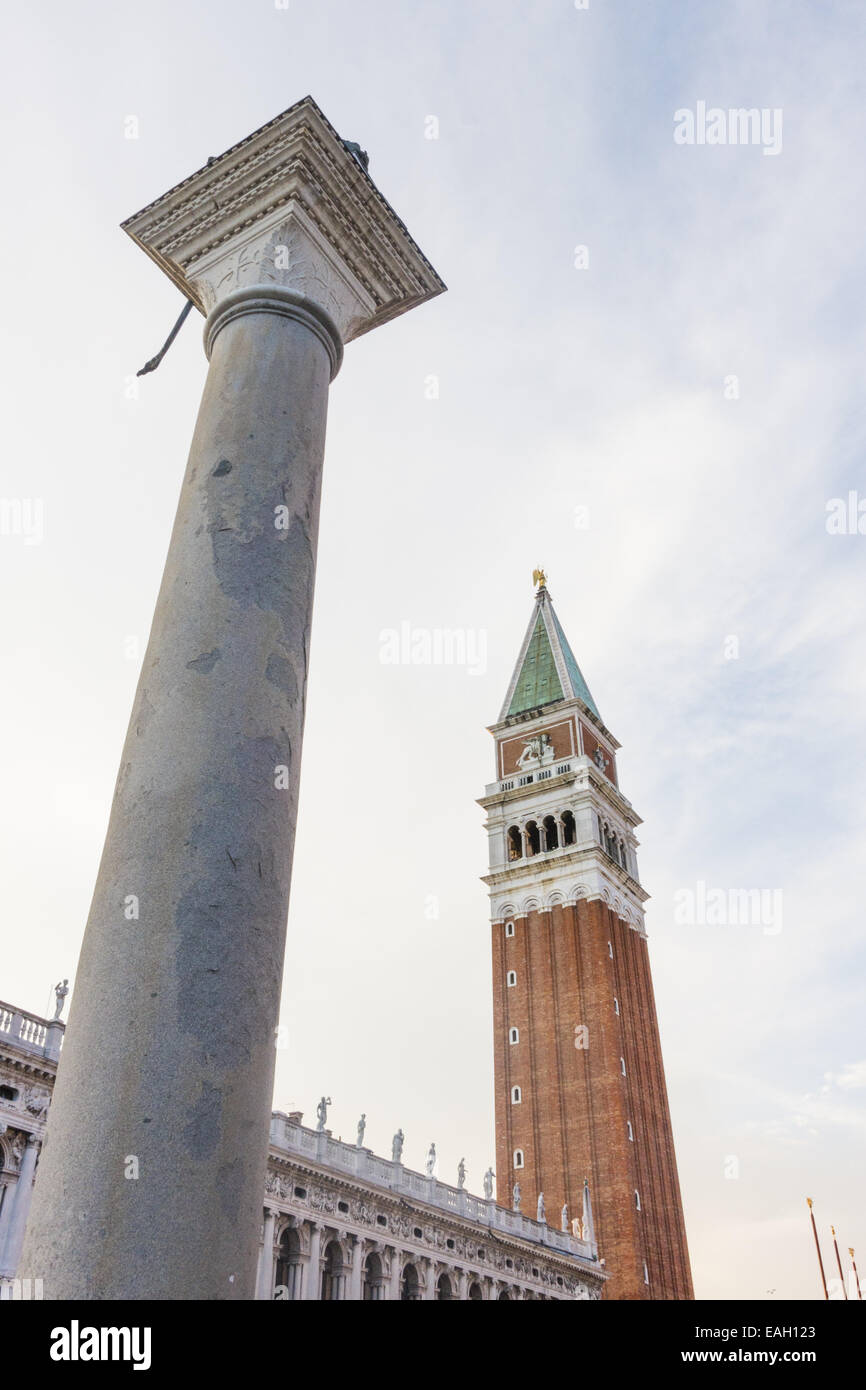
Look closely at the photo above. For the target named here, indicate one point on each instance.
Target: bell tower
(580, 1085)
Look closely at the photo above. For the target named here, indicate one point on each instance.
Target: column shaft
(169, 1052)
(395, 1289)
(7, 1202)
(21, 1208)
(265, 1279)
(357, 1269)
(314, 1273)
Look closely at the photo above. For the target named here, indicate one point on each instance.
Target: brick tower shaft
(580, 1085)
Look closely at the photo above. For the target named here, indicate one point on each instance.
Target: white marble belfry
(150, 1185)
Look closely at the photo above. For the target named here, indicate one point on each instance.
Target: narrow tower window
(511, 978)
(551, 834)
(616, 1006)
(509, 928)
(533, 838)
(515, 848)
(637, 1199)
(518, 1158)
(568, 828)
(516, 1096)
(630, 1131)
(610, 950)
(513, 1035)
(622, 1064)
(645, 1273)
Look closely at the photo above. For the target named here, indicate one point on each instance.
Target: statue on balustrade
(60, 993)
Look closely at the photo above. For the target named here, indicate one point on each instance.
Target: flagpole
(838, 1260)
(817, 1247)
(856, 1275)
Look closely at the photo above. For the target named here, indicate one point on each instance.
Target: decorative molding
(288, 206)
(285, 303)
(478, 1241)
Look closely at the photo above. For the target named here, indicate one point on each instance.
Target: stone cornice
(583, 777)
(574, 1269)
(36, 1068)
(546, 868)
(288, 206)
(544, 713)
(348, 1168)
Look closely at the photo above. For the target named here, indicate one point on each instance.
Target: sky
(646, 376)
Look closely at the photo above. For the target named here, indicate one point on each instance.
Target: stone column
(462, 1285)
(11, 1253)
(357, 1269)
(7, 1202)
(265, 1281)
(396, 1270)
(314, 1266)
(431, 1269)
(290, 250)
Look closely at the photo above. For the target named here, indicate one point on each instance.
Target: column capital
(289, 206)
(285, 303)
(32, 1144)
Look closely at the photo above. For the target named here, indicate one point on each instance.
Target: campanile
(580, 1085)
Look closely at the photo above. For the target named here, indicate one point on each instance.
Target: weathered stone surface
(170, 1049)
(150, 1186)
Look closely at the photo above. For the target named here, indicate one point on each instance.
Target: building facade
(339, 1222)
(342, 1223)
(580, 1084)
(29, 1049)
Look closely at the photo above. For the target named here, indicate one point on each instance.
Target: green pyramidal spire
(546, 670)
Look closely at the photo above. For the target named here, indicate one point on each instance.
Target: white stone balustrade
(30, 1032)
(294, 1138)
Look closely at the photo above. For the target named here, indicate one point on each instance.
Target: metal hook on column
(154, 362)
